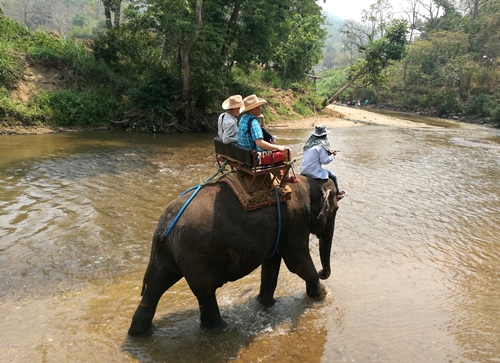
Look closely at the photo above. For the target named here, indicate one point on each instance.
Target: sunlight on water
(415, 257)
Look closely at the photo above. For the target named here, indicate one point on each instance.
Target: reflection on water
(415, 259)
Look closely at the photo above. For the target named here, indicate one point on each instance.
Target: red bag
(268, 158)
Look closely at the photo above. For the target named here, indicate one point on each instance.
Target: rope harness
(197, 187)
(306, 207)
(215, 178)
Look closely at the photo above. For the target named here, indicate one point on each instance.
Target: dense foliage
(167, 65)
(158, 65)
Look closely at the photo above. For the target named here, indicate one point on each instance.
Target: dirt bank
(18, 129)
(343, 116)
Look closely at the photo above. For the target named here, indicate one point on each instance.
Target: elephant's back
(215, 211)
(197, 207)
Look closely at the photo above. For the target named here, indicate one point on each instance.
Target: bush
(301, 108)
(10, 67)
(495, 115)
(10, 110)
(56, 51)
(443, 102)
(12, 31)
(478, 105)
(271, 78)
(67, 108)
(156, 91)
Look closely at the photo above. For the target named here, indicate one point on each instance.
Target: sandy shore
(343, 116)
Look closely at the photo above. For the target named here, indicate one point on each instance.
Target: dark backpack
(267, 136)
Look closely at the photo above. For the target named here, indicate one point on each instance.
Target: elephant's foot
(141, 330)
(217, 327)
(324, 274)
(267, 302)
(318, 293)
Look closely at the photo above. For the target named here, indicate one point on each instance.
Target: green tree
(285, 35)
(302, 40)
(377, 56)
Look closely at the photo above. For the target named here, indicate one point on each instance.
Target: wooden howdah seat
(263, 167)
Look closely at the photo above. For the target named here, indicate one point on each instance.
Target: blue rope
(279, 222)
(198, 187)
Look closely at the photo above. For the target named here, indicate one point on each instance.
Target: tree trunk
(186, 69)
(117, 7)
(232, 26)
(346, 86)
(184, 50)
(107, 13)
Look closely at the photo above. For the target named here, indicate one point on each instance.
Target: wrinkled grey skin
(216, 241)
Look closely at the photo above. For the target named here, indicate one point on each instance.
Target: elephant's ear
(325, 204)
(327, 201)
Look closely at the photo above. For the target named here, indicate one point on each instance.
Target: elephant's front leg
(268, 280)
(307, 271)
(314, 288)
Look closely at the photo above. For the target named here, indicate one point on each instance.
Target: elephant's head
(323, 209)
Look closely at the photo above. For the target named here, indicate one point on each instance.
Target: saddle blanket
(265, 196)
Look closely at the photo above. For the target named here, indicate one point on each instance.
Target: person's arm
(220, 127)
(230, 132)
(267, 146)
(324, 157)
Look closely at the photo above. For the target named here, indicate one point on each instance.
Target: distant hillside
(332, 53)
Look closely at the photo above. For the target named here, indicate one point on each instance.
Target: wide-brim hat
(251, 102)
(320, 130)
(235, 101)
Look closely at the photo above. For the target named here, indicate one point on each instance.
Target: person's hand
(334, 152)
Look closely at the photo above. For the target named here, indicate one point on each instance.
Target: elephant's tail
(152, 259)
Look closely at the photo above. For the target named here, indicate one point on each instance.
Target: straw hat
(234, 101)
(250, 102)
(320, 130)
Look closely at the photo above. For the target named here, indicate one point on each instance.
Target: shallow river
(416, 252)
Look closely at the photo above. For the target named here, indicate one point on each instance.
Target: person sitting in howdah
(250, 133)
(227, 123)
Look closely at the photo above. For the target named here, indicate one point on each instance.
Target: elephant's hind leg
(204, 289)
(268, 280)
(156, 282)
(210, 317)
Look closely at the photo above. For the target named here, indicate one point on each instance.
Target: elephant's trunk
(325, 249)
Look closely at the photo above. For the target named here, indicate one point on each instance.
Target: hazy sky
(351, 9)
(346, 9)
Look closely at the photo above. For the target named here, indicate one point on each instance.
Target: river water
(415, 260)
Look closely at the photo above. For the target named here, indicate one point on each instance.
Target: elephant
(215, 241)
